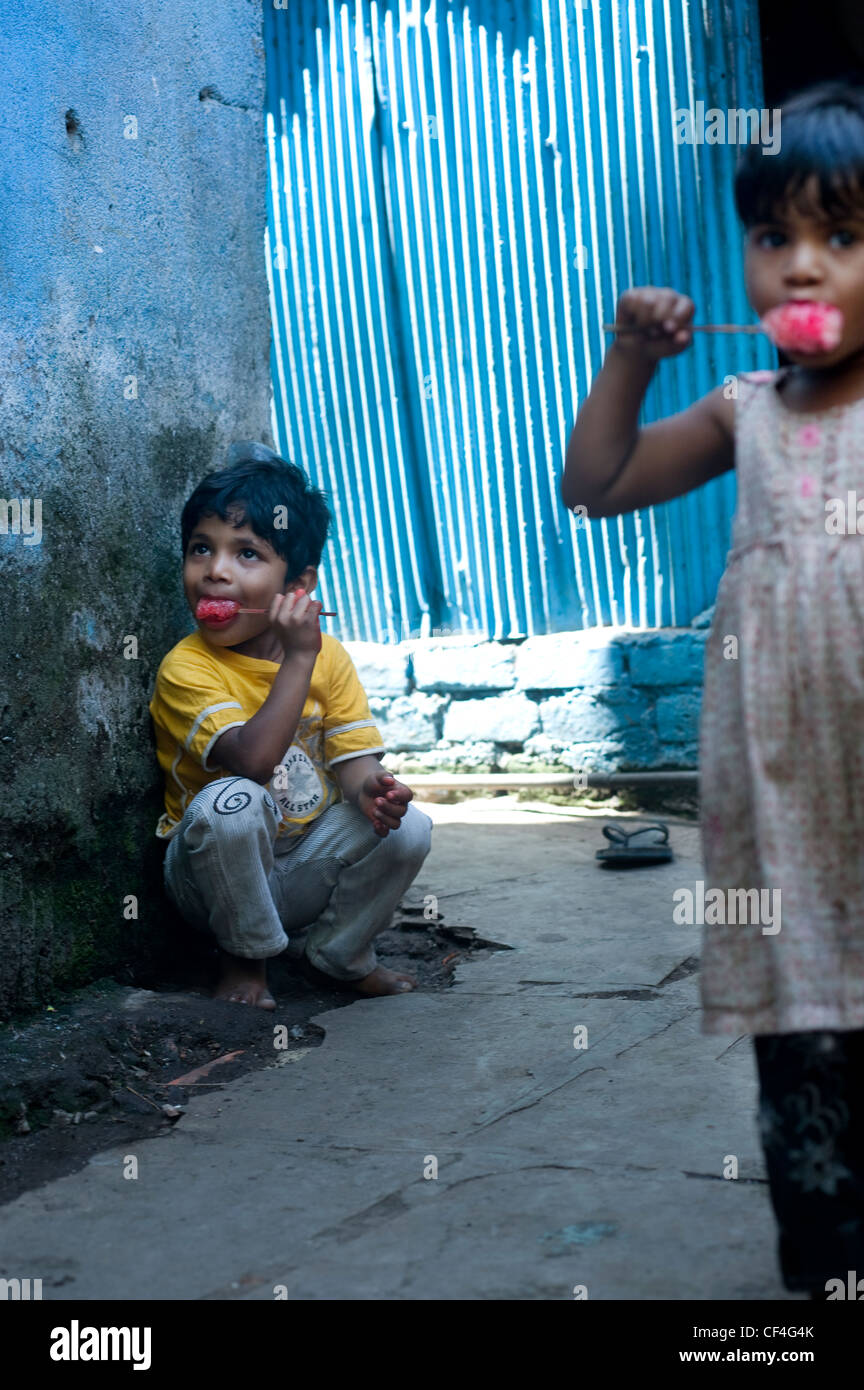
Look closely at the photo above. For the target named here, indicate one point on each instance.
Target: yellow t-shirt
(200, 692)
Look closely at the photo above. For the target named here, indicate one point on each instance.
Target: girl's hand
(384, 801)
(294, 618)
(664, 318)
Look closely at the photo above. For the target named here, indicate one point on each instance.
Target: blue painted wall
(134, 346)
(459, 190)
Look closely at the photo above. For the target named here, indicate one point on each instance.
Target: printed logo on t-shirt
(296, 784)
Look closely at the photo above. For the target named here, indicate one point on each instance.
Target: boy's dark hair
(821, 134)
(249, 493)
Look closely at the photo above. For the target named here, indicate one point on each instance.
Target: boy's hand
(294, 618)
(664, 318)
(384, 801)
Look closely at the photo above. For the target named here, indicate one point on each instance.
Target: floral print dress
(782, 732)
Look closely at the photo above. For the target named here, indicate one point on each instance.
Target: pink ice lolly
(217, 608)
(800, 326)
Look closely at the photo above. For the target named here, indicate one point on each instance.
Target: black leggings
(811, 1115)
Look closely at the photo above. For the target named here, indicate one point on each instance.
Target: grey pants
(228, 872)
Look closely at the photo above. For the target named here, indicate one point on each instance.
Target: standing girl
(782, 737)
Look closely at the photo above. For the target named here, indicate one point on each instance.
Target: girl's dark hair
(821, 134)
(249, 493)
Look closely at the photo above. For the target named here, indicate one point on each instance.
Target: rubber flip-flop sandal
(647, 845)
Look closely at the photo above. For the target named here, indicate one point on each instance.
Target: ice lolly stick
(267, 610)
(691, 327)
(799, 325)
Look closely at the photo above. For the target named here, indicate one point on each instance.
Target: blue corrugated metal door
(458, 192)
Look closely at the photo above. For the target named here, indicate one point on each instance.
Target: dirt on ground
(111, 1064)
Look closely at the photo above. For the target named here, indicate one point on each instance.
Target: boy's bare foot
(379, 981)
(243, 982)
(384, 981)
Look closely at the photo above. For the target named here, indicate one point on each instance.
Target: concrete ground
(597, 1168)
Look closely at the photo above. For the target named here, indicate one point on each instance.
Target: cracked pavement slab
(557, 1164)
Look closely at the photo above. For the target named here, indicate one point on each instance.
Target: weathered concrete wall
(134, 345)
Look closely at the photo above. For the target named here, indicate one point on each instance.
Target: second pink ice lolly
(804, 326)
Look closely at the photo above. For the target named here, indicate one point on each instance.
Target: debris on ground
(114, 1063)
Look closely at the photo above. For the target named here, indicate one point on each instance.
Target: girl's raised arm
(612, 466)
